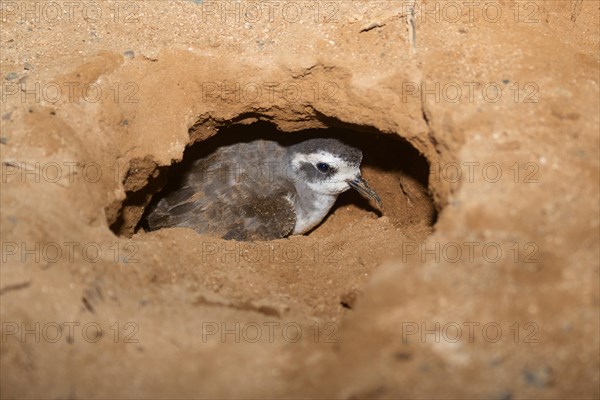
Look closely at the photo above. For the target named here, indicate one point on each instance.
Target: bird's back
(238, 192)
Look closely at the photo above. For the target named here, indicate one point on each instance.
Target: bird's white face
(324, 173)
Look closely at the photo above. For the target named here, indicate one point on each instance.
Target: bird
(262, 190)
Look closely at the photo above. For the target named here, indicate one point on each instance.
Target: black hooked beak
(360, 185)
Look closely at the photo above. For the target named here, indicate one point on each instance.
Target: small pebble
(129, 54)
(507, 395)
(27, 66)
(11, 76)
(539, 377)
(403, 356)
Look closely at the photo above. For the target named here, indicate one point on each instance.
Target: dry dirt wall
(498, 299)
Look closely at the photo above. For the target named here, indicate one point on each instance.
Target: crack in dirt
(16, 286)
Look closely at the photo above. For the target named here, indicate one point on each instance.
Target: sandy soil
(480, 132)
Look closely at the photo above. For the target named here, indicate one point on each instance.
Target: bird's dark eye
(323, 167)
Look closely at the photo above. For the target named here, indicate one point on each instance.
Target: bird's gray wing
(215, 198)
(257, 218)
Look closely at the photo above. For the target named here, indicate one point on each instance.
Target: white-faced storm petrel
(262, 190)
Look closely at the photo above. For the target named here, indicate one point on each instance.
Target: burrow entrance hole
(391, 166)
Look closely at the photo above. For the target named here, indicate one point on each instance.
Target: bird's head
(330, 167)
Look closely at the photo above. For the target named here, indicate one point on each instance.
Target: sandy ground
(479, 123)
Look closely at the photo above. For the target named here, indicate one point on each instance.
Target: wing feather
(216, 198)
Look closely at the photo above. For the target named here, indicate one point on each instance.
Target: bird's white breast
(310, 213)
